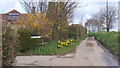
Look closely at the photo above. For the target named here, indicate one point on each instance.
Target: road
(88, 53)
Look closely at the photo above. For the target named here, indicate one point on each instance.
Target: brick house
(11, 17)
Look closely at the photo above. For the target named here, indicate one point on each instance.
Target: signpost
(38, 37)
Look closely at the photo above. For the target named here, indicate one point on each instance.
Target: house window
(13, 16)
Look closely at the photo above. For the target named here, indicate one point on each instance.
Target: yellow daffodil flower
(59, 45)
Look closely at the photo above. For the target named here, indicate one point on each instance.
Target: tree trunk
(108, 29)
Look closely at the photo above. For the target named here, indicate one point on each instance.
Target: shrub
(76, 31)
(59, 35)
(26, 41)
(10, 46)
(90, 34)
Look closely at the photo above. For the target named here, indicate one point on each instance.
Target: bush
(76, 31)
(59, 35)
(10, 46)
(90, 34)
(26, 41)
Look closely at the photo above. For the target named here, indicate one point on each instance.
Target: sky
(87, 9)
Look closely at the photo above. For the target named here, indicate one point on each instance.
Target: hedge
(76, 31)
(26, 42)
(59, 35)
(10, 44)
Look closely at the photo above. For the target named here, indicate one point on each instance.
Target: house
(11, 17)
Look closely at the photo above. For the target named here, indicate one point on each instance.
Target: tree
(38, 5)
(107, 16)
(60, 13)
(93, 25)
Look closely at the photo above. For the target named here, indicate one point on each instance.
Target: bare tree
(60, 12)
(38, 5)
(107, 16)
(93, 25)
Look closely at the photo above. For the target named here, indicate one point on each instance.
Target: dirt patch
(88, 44)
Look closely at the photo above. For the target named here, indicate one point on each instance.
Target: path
(88, 53)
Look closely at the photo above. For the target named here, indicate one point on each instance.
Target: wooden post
(42, 41)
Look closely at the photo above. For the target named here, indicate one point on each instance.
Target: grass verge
(51, 49)
(109, 40)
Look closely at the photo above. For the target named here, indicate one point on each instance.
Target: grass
(109, 40)
(51, 49)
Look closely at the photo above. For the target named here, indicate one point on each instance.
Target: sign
(35, 36)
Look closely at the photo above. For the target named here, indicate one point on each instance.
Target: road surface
(88, 53)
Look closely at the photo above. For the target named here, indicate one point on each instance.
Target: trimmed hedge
(59, 35)
(76, 31)
(26, 42)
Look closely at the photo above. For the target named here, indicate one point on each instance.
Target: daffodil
(58, 41)
(62, 43)
(59, 46)
(67, 42)
(66, 45)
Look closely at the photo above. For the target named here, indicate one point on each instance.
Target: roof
(14, 11)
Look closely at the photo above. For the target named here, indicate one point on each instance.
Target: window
(13, 16)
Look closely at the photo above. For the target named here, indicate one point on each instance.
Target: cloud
(86, 11)
(92, 7)
(76, 21)
(94, 0)
(7, 5)
(9, 1)
(19, 7)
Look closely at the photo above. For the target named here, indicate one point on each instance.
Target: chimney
(33, 9)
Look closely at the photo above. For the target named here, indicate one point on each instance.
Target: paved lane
(88, 53)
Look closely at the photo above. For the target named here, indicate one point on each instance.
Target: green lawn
(51, 49)
(109, 40)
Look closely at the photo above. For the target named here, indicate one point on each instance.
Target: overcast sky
(88, 7)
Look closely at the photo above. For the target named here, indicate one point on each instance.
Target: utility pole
(119, 16)
(81, 21)
(107, 15)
